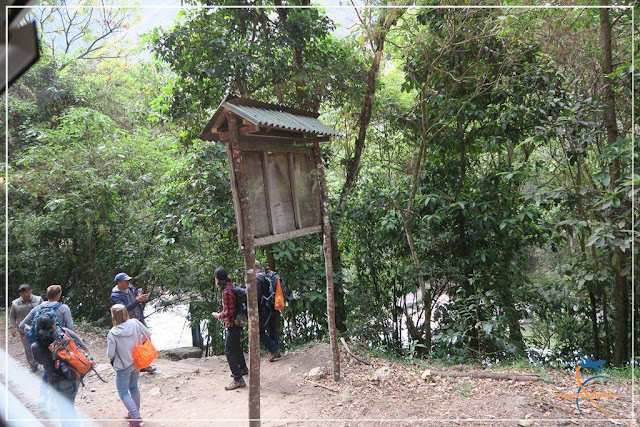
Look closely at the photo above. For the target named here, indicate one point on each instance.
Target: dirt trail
(191, 392)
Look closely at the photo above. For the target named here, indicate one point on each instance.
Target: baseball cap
(24, 287)
(121, 276)
(221, 273)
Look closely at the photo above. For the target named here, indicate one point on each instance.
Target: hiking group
(271, 292)
(46, 332)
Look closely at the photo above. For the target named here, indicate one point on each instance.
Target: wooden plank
(280, 193)
(277, 147)
(250, 277)
(267, 185)
(218, 124)
(328, 263)
(294, 196)
(307, 190)
(243, 131)
(268, 240)
(234, 192)
(249, 129)
(280, 139)
(256, 191)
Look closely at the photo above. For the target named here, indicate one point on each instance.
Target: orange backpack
(73, 361)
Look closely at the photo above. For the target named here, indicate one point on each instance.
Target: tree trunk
(594, 324)
(250, 276)
(605, 318)
(621, 295)
(326, 247)
(353, 164)
(338, 294)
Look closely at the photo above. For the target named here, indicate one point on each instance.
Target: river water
(170, 327)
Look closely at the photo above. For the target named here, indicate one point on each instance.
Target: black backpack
(242, 312)
(272, 279)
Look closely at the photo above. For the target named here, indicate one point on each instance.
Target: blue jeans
(127, 385)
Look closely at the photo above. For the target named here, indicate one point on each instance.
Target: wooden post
(328, 265)
(250, 276)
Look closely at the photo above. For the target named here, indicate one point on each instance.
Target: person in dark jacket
(232, 347)
(268, 316)
(126, 294)
(46, 332)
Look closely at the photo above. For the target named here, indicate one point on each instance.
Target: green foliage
(486, 211)
(72, 210)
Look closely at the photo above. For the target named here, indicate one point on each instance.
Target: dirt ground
(191, 392)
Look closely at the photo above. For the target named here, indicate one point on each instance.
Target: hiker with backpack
(125, 335)
(59, 372)
(61, 315)
(60, 311)
(267, 314)
(133, 299)
(232, 346)
(20, 308)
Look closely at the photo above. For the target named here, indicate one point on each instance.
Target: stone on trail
(382, 374)
(155, 391)
(181, 353)
(103, 367)
(317, 373)
(525, 423)
(426, 374)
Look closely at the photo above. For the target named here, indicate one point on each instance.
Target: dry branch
(323, 386)
(346, 347)
(489, 375)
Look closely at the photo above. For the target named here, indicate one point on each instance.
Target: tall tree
(621, 295)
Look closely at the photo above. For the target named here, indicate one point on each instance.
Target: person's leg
(123, 377)
(273, 327)
(44, 391)
(27, 352)
(265, 337)
(233, 351)
(272, 336)
(64, 399)
(133, 388)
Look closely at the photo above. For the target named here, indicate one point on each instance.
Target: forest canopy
(481, 191)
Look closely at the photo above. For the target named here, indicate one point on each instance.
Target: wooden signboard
(283, 191)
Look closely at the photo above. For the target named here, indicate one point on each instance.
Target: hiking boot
(136, 423)
(34, 368)
(245, 371)
(149, 369)
(273, 356)
(236, 384)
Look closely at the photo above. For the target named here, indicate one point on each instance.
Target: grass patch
(462, 388)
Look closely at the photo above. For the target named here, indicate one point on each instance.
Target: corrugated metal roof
(271, 115)
(281, 119)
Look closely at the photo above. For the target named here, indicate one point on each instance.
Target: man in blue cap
(126, 294)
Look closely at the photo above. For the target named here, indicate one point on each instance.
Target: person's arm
(27, 320)
(122, 299)
(228, 304)
(67, 321)
(13, 316)
(111, 346)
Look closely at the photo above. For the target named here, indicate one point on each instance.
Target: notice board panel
(283, 192)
